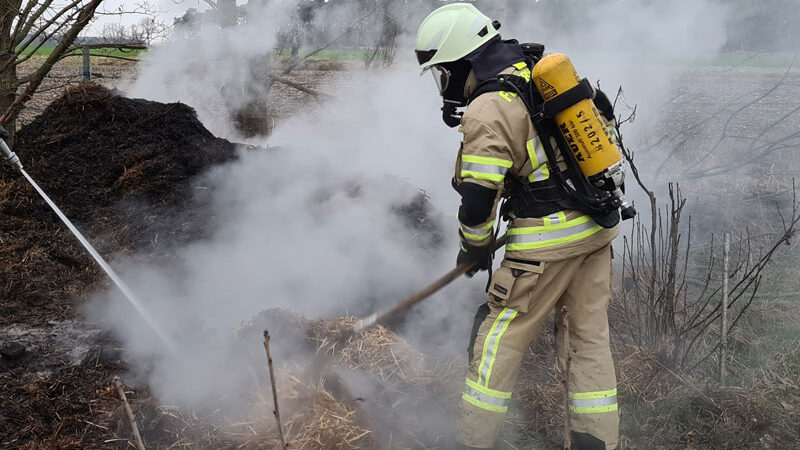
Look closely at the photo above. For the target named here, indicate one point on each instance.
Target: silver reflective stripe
(486, 398)
(496, 332)
(483, 168)
(541, 174)
(594, 402)
(538, 161)
(554, 219)
(478, 232)
(550, 235)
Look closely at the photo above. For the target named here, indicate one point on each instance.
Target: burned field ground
(126, 171)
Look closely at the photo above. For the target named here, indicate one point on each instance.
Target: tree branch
(300, 87)
(84, 17)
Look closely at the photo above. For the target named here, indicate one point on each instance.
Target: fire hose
(403, 306)
(11, 158)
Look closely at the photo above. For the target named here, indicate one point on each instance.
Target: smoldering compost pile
(124, 171)
(121, 169)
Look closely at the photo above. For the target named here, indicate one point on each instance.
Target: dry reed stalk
(567, 363)
(276, 411)
(129, 412)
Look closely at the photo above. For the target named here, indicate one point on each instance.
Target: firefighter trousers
(521, 295)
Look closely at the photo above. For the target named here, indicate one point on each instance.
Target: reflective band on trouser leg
(491, 344)
(538, 161)
(594, 402)
(485, 398)
(484, 167)
(478, 233)
(527, 238)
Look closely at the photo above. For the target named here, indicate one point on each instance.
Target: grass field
(334, 55)
(48, 49)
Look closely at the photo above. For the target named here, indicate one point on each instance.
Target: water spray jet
(11, 158)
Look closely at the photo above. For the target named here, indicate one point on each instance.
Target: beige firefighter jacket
(500, 141)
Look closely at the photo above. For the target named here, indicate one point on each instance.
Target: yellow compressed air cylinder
(580, 124)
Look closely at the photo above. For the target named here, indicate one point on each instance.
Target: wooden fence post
(87, 65)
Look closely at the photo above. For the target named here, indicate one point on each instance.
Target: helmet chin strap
(450, 114)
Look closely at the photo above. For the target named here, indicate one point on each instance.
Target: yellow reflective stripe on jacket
(491, 344)
(477, 233)
(484, 167)
(487, 160)
(527, 238)
(524, 71)
(538, 161)
(594, 402)
(485, 398)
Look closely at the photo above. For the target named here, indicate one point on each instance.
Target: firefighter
(554, 256)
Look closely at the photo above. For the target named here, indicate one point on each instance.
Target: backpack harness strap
(564, 189)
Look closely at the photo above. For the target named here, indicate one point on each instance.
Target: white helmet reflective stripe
(452, 32)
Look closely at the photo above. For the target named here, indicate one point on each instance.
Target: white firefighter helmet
(449, 34)
(452, 32)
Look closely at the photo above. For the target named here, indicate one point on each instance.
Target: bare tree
(28, 26)
(385, 47)
(114, 32)
(152, 30)
(144, 33)
(25, 27)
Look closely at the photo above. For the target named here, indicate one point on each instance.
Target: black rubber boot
(585, 441)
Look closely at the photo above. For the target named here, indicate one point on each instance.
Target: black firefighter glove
(481, 256)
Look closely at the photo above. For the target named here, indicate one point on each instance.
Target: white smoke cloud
(213, 67)
(295, 233)
(308, 226)
(642, 46)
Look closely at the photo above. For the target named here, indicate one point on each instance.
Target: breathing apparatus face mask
(450, 78)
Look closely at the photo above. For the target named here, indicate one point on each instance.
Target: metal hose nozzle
(9, 156)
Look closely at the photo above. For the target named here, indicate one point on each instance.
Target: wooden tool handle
(380, 317)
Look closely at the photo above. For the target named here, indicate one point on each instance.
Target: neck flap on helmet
(494, 57)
